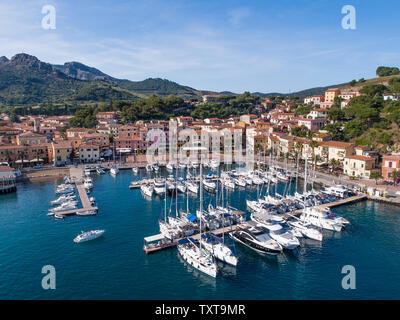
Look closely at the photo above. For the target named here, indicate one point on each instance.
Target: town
(287, 127)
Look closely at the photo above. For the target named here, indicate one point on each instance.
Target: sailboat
(114, 169)
(193, 253)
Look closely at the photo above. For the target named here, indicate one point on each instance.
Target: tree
(352, 83)
(395, 175)
(336, 114)
(376, 175)
(387, 71)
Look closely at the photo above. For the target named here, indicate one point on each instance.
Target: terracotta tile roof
(336, 144)
(362, 158)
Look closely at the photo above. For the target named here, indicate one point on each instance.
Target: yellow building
(359, 166)
(61, 152)
(331, 94)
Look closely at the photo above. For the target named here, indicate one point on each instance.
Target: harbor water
(115, 267)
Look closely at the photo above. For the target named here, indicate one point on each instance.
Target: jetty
(76, 177)
(164, 243)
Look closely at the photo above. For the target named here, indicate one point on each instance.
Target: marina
(136, 216)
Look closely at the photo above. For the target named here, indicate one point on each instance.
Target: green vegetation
(387, 71)
(227, 106)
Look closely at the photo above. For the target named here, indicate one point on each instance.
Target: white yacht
(114, 170)
(214, 164)
(209, 185)
(218, 249)
(228, 183)
(181, 187)
(320, 219)
(147, 189)
(306, 230)
(86, 213)
(160, 186)
(192, 187)
(240, 182)
(88, 183)
(285, 238)
(62, 199)
(197, 258)
(90, 235)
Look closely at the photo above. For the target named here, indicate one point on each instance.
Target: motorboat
(86, 213)
(87, 236)
(169, 167)
(149, 167)
(160, 186)
(218, 249)
(88, 183)
(197, 258)
(62, 199)
(228, 183)
(99, 170)
(240, 182)
(256, 239)
(181, 165)
(285, 238)
(156, 167)
(147, 189)
(320, 219)
(59, 216)
(306, 230)
(135, 170)
(209, 185)
(114, 170)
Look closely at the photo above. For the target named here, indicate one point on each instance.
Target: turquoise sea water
(115, 267)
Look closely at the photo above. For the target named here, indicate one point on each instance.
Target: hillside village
(285, 127)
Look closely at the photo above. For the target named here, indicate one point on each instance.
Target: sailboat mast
(305, 174)
(201, 198)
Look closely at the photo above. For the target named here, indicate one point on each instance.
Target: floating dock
(77, 176)
(164, 243)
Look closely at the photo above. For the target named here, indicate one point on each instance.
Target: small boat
(169, 167)
(87, 236)
(160, 186)
(86, 213)
(58, 216)
(209, 185)
(100, 170)
(147, 189)
(192, 187)
(240, 182)
(149, 167)
(114, 170)
(135, 170)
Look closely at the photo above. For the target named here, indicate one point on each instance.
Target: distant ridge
(25, 80)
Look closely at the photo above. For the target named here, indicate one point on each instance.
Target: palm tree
(376, 175)
(396, 175)
(22, 155)
(7, 154)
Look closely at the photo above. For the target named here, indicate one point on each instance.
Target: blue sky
(259, 45)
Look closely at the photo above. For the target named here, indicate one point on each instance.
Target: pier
(164, 243)
(77, 176)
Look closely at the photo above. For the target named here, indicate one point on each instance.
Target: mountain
(25, 80)
(80, 71)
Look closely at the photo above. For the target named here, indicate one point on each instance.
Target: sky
(220, 45)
